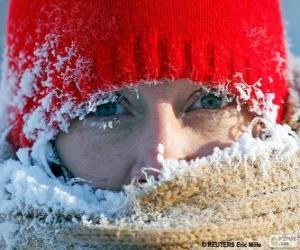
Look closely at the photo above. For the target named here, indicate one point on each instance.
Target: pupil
(107, 109)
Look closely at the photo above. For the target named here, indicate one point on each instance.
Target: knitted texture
(61, 55)
(234, 201)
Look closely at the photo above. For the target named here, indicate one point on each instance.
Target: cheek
(90, 154)
(223, 125)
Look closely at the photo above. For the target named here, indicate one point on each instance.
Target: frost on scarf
(34, 204)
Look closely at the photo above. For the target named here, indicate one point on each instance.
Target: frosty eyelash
(103, 124)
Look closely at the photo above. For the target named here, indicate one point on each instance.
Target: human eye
(208, 101)
(109, 109)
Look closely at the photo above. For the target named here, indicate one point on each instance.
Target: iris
(208, 101)
(211, 101)
(109, 109)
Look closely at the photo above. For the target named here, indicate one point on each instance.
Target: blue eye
(208, 101)
(109, 109)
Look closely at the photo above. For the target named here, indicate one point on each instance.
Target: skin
(162, 114)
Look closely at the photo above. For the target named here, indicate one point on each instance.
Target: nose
(163, 127)
(162, 135)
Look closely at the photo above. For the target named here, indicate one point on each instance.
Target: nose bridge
(163, 127)
(162, 123)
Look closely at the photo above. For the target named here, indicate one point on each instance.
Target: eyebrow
(126, 94)
(128, 91)
(123, 98)
(194, 92)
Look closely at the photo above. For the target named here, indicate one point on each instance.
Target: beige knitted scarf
(224, 202)
(232, 203)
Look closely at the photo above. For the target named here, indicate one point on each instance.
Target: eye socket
(110, 109)
(208, 101)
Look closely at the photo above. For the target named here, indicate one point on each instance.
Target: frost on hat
(63, 56)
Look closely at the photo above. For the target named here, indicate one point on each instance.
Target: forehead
(162, 88)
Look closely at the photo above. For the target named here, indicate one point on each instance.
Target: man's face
(111, 146)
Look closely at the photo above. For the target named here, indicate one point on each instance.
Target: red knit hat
(62, 55)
